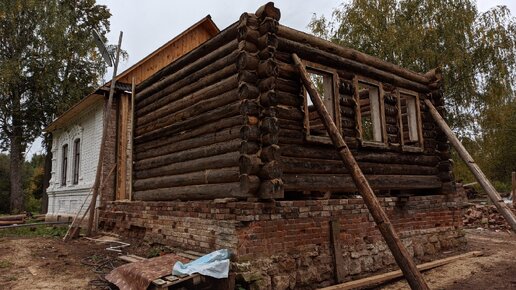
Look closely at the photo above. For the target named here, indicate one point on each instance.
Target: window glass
(64, 164)
(76, 160)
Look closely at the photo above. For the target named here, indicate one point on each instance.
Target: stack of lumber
(8, 220)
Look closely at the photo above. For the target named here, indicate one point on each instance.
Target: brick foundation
(286, 244)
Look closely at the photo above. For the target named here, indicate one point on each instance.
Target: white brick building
(75, 152)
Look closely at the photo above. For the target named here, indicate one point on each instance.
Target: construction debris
(484, 216)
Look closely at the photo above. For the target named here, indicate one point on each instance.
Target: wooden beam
(121, 175)
(382, 278)
(479, 175)
(107, 119)
(513, 188)
(400, 253)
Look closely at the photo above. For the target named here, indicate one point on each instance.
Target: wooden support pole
(107, 117)
(513, 189)
(400, 253)
(479, 175)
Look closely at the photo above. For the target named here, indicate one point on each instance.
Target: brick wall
(286, 244)
(109, 160)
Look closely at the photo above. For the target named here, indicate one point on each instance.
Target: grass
(37, 231)
(5, 264)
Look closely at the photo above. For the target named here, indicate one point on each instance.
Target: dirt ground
(49, 263)
(496, 269)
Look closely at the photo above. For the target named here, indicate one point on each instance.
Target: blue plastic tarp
(214, 264)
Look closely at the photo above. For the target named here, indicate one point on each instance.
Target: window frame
(64, 164)
(419, 129)
(76, 161)
(323, 70)
(381, 111)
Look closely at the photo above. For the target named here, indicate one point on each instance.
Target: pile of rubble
(484, 216)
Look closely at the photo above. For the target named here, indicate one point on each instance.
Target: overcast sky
(149, 24)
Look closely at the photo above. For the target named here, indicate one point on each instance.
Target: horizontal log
(328, 152)
(211, 116)
(196, 56)
(289, 113)
(344, 182)
(203, 140)
(288, 99)
(290, 124)
(211, 176)
(205, 93)
(13, 217)
(289, 86)
(209, 130)
(211, 162)
(195, 192)
(315, 55)
(352, 54)
(176, 91)
(189, 154)
(187, 76)
(11, 222)
(198, 109)
(311, 165)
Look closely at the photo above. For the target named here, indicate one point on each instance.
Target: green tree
(4, 183)
(477, 52)
(48, 62)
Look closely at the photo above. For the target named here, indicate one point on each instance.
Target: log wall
(228, 120)
(188, 125)
(312, 164)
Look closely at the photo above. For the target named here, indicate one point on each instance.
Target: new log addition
(400, 253)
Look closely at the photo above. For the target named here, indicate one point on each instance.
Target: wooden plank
(121, 176)
(479, 175)
(382, 278)
(338, 260)
(400, 253)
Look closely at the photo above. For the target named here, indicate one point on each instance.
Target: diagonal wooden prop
(400, 253)
(497, 200)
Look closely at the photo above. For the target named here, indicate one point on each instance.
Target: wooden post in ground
(107, 118)
(513, 189)
(400, 253)
(479, 175)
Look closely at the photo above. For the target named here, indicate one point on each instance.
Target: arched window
(64, 164)
(76, 160)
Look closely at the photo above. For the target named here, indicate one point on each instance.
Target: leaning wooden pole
(107, 119)
(479, 175)
(400, 253)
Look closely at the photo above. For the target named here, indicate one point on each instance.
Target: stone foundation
(286, 244)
